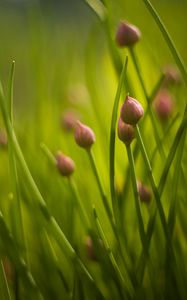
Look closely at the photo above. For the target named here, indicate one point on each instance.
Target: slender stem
(58, 233)
(149, 108)
(163, 179)
(156, 88)
(112, 142)
(176, 177)
(100, 186)
(17, 217)
(83, 213)
(112, 259)
(136, 198)
(10, 94)
(117, 233)
(168, 40)
(4, 287)
(73, 187)
(19, 262)
(48, 153)
(57, 264)
(153, 183)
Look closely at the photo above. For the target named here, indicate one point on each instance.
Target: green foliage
(91, 235)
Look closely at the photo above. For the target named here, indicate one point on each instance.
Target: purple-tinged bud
(90, 249)
(131, 111)
(3, 139)
(65, 164)
(126, 132)
(8, 269)
(127, 34)
(172, 75)
(84, 135)
(163, 105)
(69, 119)
(144, 192)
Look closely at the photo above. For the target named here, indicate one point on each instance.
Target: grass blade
(168, 39)
(112, 140)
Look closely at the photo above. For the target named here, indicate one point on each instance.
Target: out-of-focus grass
(64, 63)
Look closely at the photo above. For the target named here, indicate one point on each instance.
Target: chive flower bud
(65, 164)
(172, 75)
(3, 139)
(90, 249)
(144, 192)
(8, 269)
(163, 105)
(127, 34)
(84, 135)
(69, 119)
(126, 132)
(131, 111)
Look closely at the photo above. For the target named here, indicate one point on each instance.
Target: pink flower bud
(127, 34)
(90, 249)
(84, 135)
(69, 119)
(65, 164)
(172, 75)
(126, 132)
(3, 139)
(144, 192)
(9, 269)
(131, 111)
(163, 105)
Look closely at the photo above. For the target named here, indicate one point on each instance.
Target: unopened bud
(144, 192)
(90, 249)
(84, 135)
(65, 164)
(3, 139)
(126, 132)
(127, 34)
(163, 105)
(172, 75)
(131, 111)
(8, 269)
(69, 119)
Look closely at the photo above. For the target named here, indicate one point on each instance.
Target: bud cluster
(131, 113)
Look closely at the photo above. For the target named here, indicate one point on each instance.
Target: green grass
(138, 250)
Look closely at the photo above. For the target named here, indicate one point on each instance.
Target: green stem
(20, 265)
(4, 287)
(83, 213)
(125, 281)
(176, 177)
(162, 181)
(149, 108)
(153, 183)
(58, 233)
(17, 217)
(137, 200)
(112, 142)
(101, 189)
(168, 40)
(73, 187)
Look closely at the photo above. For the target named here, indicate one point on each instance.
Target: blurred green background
(63, 63)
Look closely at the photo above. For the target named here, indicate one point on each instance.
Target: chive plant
(76, 228)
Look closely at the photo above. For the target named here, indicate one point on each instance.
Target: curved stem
(168, 40)
(137, 200)
(112, 142)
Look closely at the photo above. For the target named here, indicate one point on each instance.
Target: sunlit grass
(90, 235)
